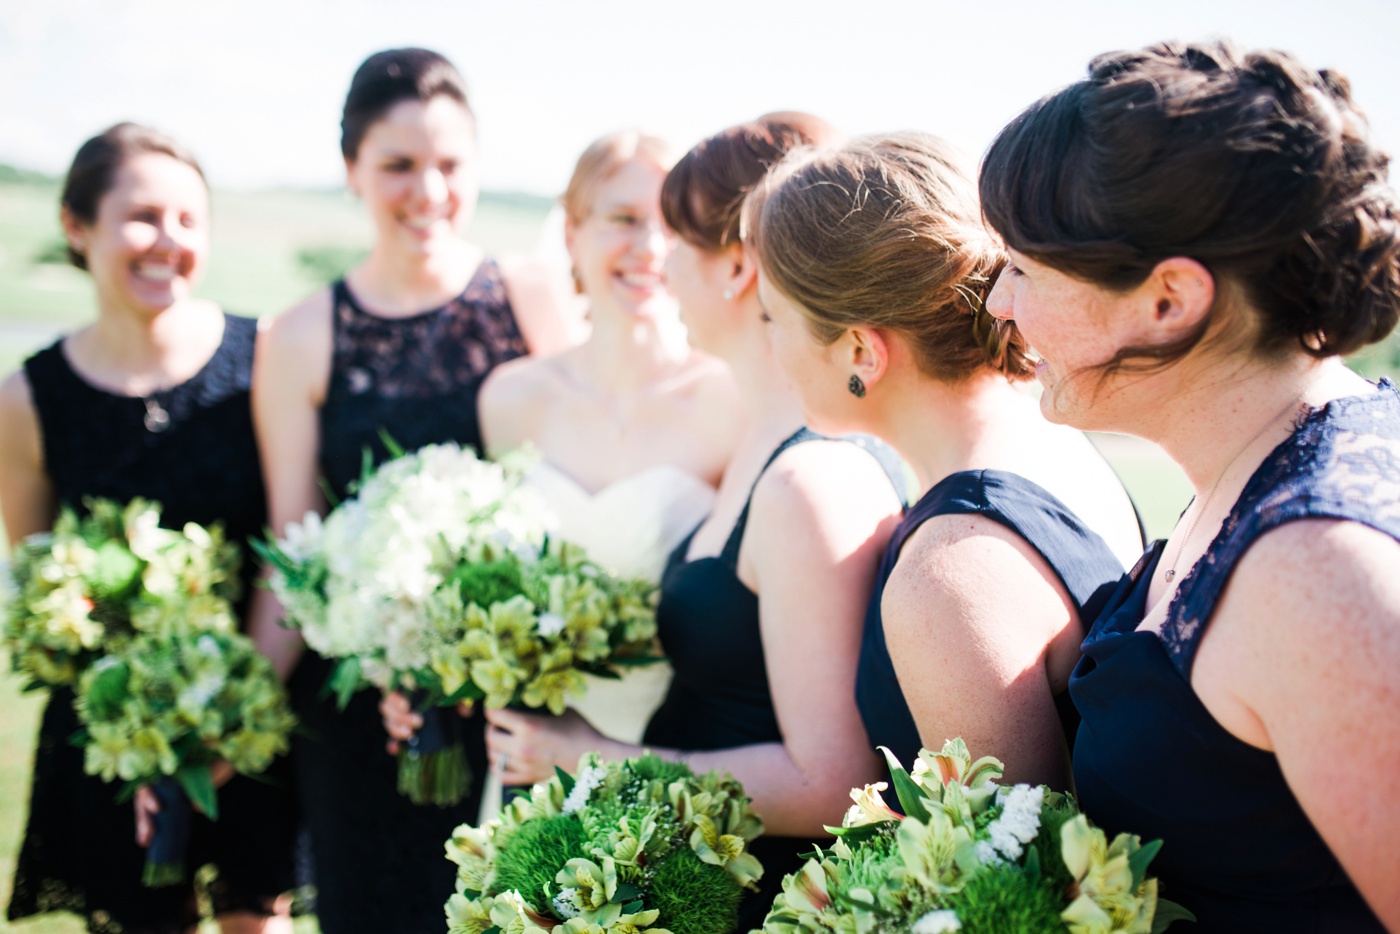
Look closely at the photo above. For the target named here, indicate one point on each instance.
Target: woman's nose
(999, 303)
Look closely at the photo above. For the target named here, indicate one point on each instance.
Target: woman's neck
(625, 353)
(940, 428)
(774, 410)
(1217, 414)
(142, 353)
(395, 282)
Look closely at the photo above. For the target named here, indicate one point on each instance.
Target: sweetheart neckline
(583, 492)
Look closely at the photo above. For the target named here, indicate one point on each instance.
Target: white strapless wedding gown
(629, 527)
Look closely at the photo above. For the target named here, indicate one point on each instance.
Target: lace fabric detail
(1341, 462)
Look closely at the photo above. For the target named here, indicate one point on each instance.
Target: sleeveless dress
(1081, 560)
(377, 858)
(720, 698)
(78, 853)
(1238, 849)
(628, 527)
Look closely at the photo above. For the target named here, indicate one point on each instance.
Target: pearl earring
(729, 295)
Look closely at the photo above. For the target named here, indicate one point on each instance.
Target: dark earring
(856, 387)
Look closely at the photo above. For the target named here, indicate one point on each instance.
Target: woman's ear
(1177, 296)
(74, 231)
(350, 178)
(867, 354)
(743, 270)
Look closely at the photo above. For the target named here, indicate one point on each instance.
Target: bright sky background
(255, 86)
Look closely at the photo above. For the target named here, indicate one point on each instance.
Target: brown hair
(601, 159)
(884, 232)
(1250, 163)
(95, 167)
(703, 196)
(388, 78)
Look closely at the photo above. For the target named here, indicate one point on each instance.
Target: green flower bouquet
(642, 846)
(95, 580)
(439, 579)
(971, 856)
(164, 709)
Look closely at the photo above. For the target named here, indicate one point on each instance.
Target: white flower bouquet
(971, 856)
(642, 846)
(164, 709)
(438, 579)
(96, 580)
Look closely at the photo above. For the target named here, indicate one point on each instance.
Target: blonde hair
(602, 158)
(885, 232)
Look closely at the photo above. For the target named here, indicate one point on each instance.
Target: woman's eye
(623, 220)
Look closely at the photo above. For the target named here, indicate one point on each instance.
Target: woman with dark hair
(760, 604)
(872, 266)
(150, 400)
(1197, 234)
(400, 346)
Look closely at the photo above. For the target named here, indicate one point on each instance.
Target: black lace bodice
(78, 852)
(416, 378)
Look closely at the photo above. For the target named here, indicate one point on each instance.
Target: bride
(633, 427)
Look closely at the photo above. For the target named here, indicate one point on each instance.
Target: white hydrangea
(588, 779)
(938, 922)
(1016, 826)
(564, 904)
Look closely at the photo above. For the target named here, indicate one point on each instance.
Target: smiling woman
(150, 400)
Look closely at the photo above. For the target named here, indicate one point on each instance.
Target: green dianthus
(536, 853)
(1006, 900)
(693, 897)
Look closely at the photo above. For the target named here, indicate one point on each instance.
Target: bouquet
(166, 708)
(971, 856)
(95, 580)
(642, 846)
(438, 579)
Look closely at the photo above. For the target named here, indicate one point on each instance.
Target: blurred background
(255, 89)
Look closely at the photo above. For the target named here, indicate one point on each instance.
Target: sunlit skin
(1265, 670)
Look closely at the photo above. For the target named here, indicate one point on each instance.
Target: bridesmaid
(633, 427)
(1236, 237)
(400, 345)
(149, 400)
(760, 605)
(872, 267)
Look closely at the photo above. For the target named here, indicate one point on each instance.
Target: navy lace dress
(377, 858)
(78, 853)
(1150, 759)
(709, 628)
(1078, 556)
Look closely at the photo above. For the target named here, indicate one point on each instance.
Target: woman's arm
(547, 313)
(976, 623)
(819, 521)
(27, 500)
(1303, 658)
(291, 370)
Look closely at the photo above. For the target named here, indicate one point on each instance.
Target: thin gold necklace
(1294, 403)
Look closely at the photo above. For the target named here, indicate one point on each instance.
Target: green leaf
(911, 796)
(118, 571)
(393, 447)
(1168, 913)
(1139, 861)
(198, 783)
(857, 833)
(565, 779)
(344, 681)
(626, 891)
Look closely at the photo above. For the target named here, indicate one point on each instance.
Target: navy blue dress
(709, 627)
(1150, 759)
(1078, 556)
(377, 858)
(79, 852)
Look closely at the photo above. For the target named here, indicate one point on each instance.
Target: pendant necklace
(156, 419)
(1293, 403)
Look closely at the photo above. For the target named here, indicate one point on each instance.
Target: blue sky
(255, 86)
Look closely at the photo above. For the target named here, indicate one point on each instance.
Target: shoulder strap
(730, 554)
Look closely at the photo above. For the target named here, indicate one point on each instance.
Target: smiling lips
(648, 281)
(157, 272)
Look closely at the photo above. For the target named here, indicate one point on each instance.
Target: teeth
(643, 279)
(160, 273)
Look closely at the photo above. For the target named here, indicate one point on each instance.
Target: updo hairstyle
(1250, 163)
(703, 196)
(95, 167)
(388, 78)
(884, 232)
